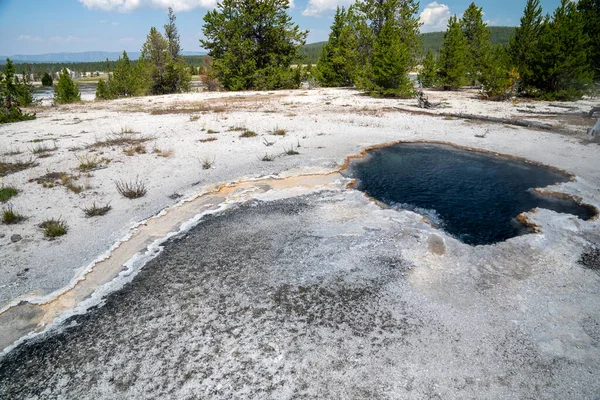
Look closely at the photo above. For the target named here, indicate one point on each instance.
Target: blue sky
(50, 26)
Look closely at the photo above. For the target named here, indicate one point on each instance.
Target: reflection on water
(473, 196)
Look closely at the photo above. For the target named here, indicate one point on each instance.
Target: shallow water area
(475, 197)
(46, 93)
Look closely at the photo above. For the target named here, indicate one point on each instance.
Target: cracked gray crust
(309, 297)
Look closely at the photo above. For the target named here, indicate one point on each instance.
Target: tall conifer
(453, 63)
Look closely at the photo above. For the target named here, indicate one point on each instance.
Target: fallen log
(546, 112)
(563, 106)
(506, 121)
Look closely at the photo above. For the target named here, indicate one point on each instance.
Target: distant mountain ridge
(429, 41)
(87, 56)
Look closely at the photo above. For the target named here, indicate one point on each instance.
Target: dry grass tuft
(207, 163)
(278, 131)
(268, 157)
(96, 211)
(120, 139)
(135, 149)
(10, 216)
(131, 189)
(7, 167)
(248, 134)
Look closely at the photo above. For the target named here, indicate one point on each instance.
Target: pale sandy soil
(324, 125)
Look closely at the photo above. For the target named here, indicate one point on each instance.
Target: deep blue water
(473, 196)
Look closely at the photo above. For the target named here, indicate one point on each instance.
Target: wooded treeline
(552, 57)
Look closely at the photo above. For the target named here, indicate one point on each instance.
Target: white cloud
(114, 23)
(126, 6)
(30, 38)
(67, 39)
(316, 8)
(435, 17)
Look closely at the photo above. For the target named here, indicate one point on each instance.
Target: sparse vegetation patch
(7, 167)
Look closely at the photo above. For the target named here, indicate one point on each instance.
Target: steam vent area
(349, 248)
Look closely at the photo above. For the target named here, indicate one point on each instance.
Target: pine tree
(47, 79)
(388, 41)
(66, 91)
(102, 91)
(12, 97)
(590, 10)
(253, 43)
(453, 56)
(337, 62)
(155, 58)
(561, 65)
(172, 36)
(428, 76)
(178, 76)
(524, 41)
(477, 36)
(498, 79)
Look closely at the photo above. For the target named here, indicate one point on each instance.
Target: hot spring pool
(473, 196)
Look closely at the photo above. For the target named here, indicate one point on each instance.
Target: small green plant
(54, 227)
(278, 131)
(237, 128)
(95, 210)
(10, 216)
(268, 157)
(211, 132)
(290, 152)
(208, 139)
(6, 192)
(88, 162)
(248, 133)
(207, 163)
(131, 189)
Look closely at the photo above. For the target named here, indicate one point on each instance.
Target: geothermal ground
(273, 279)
